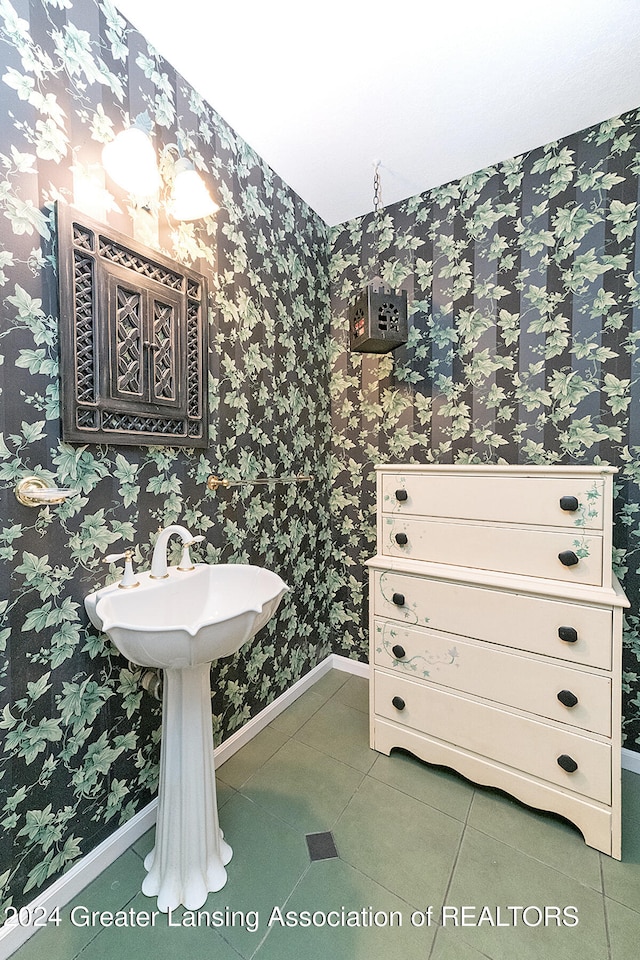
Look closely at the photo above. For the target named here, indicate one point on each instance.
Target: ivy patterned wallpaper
(524, 329)
(79, 750)
(524, 304)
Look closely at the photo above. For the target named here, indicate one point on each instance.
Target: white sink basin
(189, 618)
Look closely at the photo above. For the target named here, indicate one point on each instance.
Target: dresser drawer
(545, 688)
(521, 551)
(522, 743)
(511, 619)
(506, 499)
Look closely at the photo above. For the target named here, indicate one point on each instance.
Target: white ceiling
(431, 89)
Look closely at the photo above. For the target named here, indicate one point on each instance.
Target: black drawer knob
(401, 494)
(567, 763)
(398, 599)
(398, 703)
(402, 539)
(570, 504)
(568, 558)
(568, 634)
(398, 651)
(567, 698)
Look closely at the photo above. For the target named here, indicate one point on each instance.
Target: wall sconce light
(131, 161)
(190, 199)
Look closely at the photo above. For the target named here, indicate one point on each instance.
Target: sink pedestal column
(189, 857)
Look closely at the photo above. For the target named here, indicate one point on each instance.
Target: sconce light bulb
(190, 199)
(131, 162)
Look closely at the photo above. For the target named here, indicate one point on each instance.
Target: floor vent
(321, 846)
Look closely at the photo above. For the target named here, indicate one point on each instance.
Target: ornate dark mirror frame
(133, 340)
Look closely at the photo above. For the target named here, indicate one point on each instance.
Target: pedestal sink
(181, 623)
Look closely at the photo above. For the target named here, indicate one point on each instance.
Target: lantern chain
(377, 208)
(377, 190)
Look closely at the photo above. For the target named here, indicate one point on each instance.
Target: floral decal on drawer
(399, 610)
(582, 548)
(421, 664)
(591, 509)
(396, 530)
(392, 503)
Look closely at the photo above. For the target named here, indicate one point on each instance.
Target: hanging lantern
(378, 320)
(378, 317)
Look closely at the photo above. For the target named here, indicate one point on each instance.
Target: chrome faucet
(159, 560)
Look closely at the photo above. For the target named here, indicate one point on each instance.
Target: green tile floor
(408, 836)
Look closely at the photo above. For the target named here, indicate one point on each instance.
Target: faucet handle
(128, 577)
(185, 560)
(127, 555)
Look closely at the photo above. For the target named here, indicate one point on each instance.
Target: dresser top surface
(499, 469)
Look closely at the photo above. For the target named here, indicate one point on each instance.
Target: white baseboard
(350, 666)
(630, 760)
(68, 886)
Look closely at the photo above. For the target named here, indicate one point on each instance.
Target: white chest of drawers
(496, 632)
